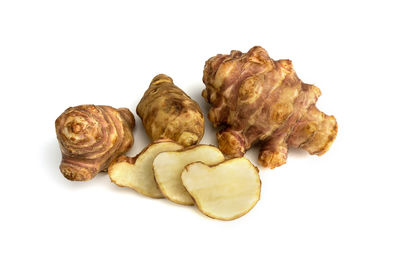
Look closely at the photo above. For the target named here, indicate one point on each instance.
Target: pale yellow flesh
(225, 191)
(168, 167)
(139, 176)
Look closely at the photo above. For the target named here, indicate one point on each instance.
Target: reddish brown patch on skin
(264, 101)
(231, 143)
(76, 128)
(89, 147)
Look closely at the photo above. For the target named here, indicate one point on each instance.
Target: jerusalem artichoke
(168, 167)
(137, 172)
(225, 191)
(258, 100)
(167, 112)
(90, 137)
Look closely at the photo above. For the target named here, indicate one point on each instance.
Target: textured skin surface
(258, 100)
(91, 137)
(167, 112)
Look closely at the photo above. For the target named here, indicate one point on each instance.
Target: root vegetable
(258, 100)
(167, 112)
(168, 167)
(225, 191)
(90, 137)
(137, 172)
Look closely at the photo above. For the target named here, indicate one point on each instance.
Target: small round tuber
(91, 137)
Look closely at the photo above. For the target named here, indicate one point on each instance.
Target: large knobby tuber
(258, 100)
(91, 137)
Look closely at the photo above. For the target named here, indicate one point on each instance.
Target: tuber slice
(225, 191)
(168, 167)
(137, 172)
(91, 137)
(167, 112)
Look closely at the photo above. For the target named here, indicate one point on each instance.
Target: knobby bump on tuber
(90, 137)
(167, 112)
(258, 100)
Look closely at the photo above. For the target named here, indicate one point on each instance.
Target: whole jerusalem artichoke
(91, 137)
(167, 112)
(258, 100)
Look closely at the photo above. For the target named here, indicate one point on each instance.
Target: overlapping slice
(168, 167)
(225, 191)
(137, 173)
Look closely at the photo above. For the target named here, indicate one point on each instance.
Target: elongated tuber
(90, 137)
(258, 100)
(167, 112)
(225, 191)
(137, 172)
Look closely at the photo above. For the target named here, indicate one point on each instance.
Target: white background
(341, 209)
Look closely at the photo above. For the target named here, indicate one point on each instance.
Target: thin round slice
(225, 191)
(168, 167)
(137, 173)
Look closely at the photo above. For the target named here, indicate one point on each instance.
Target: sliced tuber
(168, 167)
(225, 191)
(137, 172)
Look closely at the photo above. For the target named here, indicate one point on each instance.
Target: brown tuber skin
(258, 100)
(167, 112)
(91, 137)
